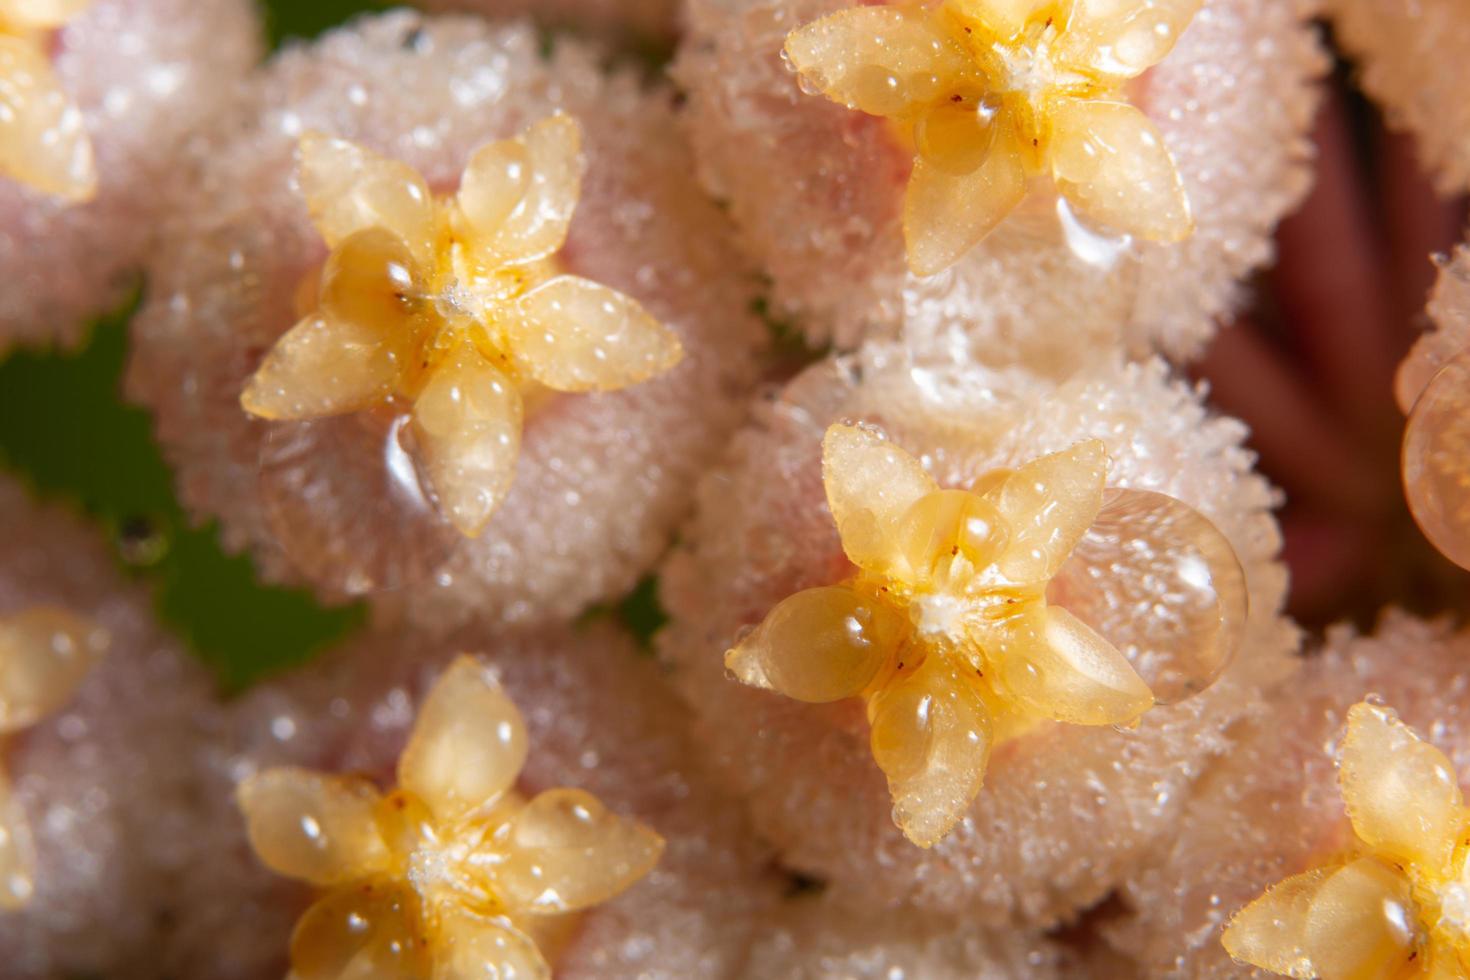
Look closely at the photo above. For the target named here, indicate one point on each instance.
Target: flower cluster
(43, 139)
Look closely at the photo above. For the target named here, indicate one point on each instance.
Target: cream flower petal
(1175, 579)
(43, 136)
(1059, 667)
(565, 851)
(1443, 964)
(819, 645)
(1049, 504)
(1271, 932)
(1361, 923)
(467, 424)
(468, 745)
(360, 932)
(477, 948)
(41, 14)
(883, 60)
(1007, 18)
(578, 335)
(1124, 38)
(1401, 793)
(17, 852)
(45, 654)
(870, 484)
(313, 826)
(1110, 162)
(945, 215)
(931, 736)
(322, 366)
(349, 188)
(517, 195)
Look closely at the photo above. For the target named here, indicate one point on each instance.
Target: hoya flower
(45, 653)
(1396, 905)
(996, 92)
(43, 140)
(453, 309)
(946, 631)
(453, 873)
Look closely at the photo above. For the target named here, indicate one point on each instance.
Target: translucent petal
(931, 736)
(1111, 164)
(1361, 924)
(819, 645)
(945, 215)
(43, 136)
(1124, 38)
(565, 851)
(870, 484)
(949, 524)
(349, 188)
(467, 426)
(17, 852)
(1057, 666)
(313, 826)
(1006, 18)
(41, 14)
(577, 335)
(1436, 460)
(1401, 793)
(474, 948)
(361, 932)
(1161, 582)
(517, 196)
(955, 137)
(1443, 964)
(1271, 932)
(322, 366)
(1049, 504)
(45, 654)
(468, 745)
(883, 60)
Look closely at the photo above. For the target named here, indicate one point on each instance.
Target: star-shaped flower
(43, 139)
(45, 653)
(454, 306)
(996, 92)
(946, 631)
(1397, 904)
(453, 875)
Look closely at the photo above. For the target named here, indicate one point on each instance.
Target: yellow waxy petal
(468, 745)
(946, 214)
(361, 932)
(1436, 460)
(1124, 38)
(45, 654)
(467, 423)
(43, 136)
(517, 196)
(349, 188)
(1167, 584)
(578, 335)
(882, 60)
(1443, 964)
(1401, 793)
(41, 14)
(1004, 19)
(17, 852)
(948, 528)
(351, 353)
(1271, 932)
(819, 645)
(871, 483)
(313, 826)
(931, 736)
(1361, 924)
(566, 851)
(1059, 667)
(1049, 504)
(1109, 160)
(471, 947)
